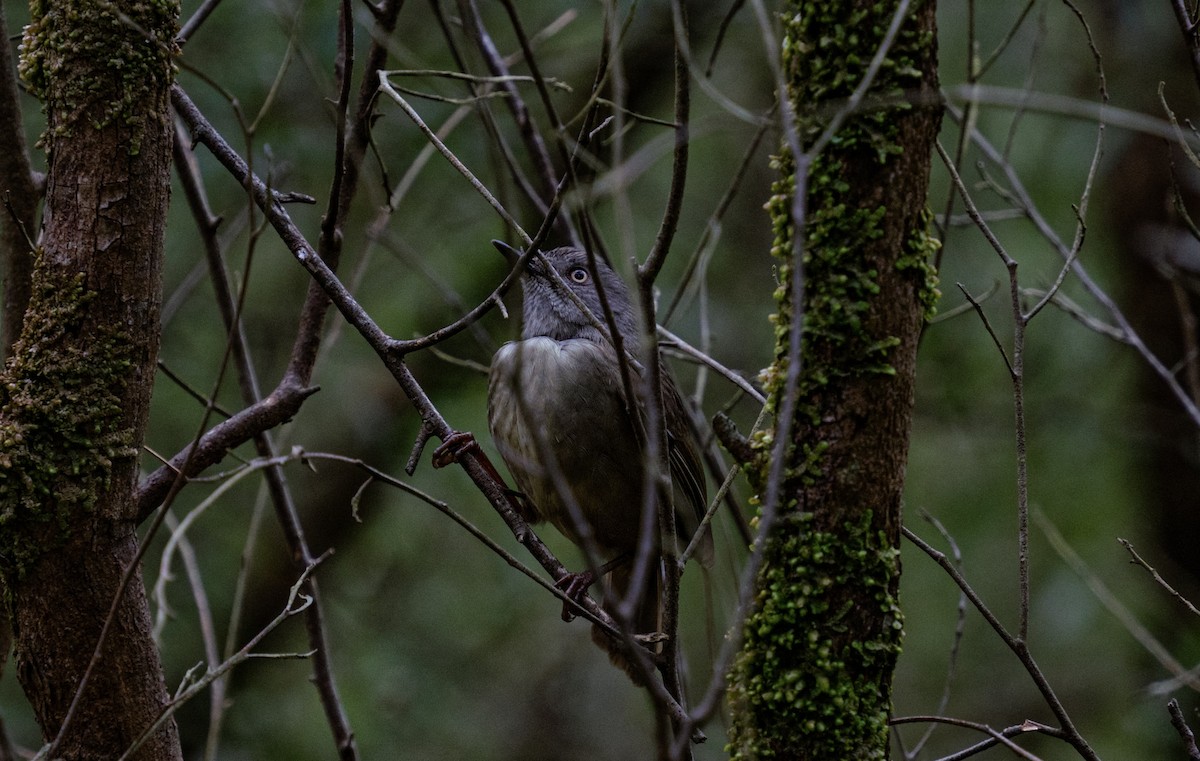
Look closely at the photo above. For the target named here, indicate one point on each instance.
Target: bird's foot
(460, 444)
(455, 446)
(651, 638)
(575, 585)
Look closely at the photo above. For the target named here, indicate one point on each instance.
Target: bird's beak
(507, 251)
(532, 267)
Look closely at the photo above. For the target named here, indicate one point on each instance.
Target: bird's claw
(454, 446)
(574, 586)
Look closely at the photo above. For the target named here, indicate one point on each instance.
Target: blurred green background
(441, 650)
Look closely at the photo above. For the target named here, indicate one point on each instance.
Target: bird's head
(550, 312)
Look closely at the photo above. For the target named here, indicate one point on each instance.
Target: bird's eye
(579, 275)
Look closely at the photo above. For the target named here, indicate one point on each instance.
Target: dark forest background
(440, 650)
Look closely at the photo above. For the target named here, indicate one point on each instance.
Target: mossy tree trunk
(76, 391)
(813, 680)
(18, 191)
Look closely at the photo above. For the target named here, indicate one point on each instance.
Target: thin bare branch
(1136, 629)
(1138, 560)
(386, 87)
(987, 324)
(196, 20)
(1122, 324)
(297, 602)
(960, 627)
(1185, 732)
(712, 229)
(997, 737)
(1019, 648)
(530, 135)
(1191, 35)
(648, 270)
(1005, 41)
(1081, 109)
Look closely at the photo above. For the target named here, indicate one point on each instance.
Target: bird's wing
(686, 470)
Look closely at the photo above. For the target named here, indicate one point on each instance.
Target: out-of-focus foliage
(443, 652)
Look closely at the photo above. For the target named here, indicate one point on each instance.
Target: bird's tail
(647, 618)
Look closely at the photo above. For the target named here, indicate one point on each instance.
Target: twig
(971, 304)
(1063, 302)
(386, 87)
(960, 627)
(1187, 25)
(1019, 647)
(493, 299)
(191, 391)
(1137, 559)
(1185, 732)
(535, 146)
(987, 324)
(180, 528)
(1004, 42)
(1082, 206)
(197, 18)
(1135, 628)
(648, 271)
(237, 606)
(1016, 373)
(208, 630)
(1121, 322)
(657, 451)
(675, 342)
(1052, 103)
(725, 22)
(713, 227)
(476, 79)
(1020, 111)
(715, 502)
(289, 610)
(496, 137)
(997, 737)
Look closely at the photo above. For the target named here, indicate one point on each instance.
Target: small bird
(559, 391)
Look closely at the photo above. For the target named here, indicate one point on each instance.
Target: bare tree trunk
(76, 393)
(813, 680)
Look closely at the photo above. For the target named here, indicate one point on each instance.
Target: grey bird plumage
(561, 385)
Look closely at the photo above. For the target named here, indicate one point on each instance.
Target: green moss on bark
(60, 421)
(826, 50)
(793, 664)
(119, 54)
(807, 683)
(920, 248)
